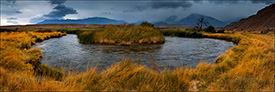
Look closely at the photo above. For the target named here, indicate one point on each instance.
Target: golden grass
(249, 66)
(18, 62)
(125, 35)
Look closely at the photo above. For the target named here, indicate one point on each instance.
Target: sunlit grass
(249, 66)
(16, 57)
(124, 35)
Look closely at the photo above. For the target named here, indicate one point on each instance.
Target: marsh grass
(15, 52)
(124, 35)
(187, 32)
(249, 66)
(182, 34)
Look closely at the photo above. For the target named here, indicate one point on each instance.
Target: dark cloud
(60, 11)
(173, 4)
(238, 1)
(11, 18)
(7, 8)
(11, 1)
(10, 11)
(170, 4)
(11, 21)
(58, 2)
(37, 19)
(18, 12)
(159, 4)
(135, 9)
(107, 12)
(263, 1)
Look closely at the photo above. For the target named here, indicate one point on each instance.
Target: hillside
(193, 18)
(189, 21)
(263, 20)
(171, 19)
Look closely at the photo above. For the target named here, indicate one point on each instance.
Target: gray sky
(14, 12)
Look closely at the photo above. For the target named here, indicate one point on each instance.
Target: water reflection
(69, 53)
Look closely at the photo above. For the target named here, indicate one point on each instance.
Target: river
(68, 53)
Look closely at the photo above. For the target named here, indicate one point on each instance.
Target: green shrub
(68, 31)
(220, 31)
(179, 33)
(210, 29)
(45, 30)
(85, 37)
(146, 24)
(8, 30)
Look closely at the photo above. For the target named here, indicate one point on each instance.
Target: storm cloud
(135, 9)
(11, 1)
(11, 18)
(174, 4)
(58, 2)
(58, 12)
(238, 1)
(13, 22)
(29, 11)
(170, 4)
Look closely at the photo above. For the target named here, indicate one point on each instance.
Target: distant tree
(210, 29)
(201, 21)
(146, 24)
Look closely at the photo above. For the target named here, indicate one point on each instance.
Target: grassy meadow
(249, 66)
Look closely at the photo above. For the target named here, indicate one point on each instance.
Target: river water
(68, 53)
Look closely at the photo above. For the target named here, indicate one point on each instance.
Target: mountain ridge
(263, 20)
(89, 20)
(189, 21)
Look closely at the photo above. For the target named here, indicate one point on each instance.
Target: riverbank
(249, 66)
(16, 55)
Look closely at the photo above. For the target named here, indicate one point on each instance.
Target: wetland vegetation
(123, 34)
(249, 66)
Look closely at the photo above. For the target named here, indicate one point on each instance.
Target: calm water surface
(69, 53)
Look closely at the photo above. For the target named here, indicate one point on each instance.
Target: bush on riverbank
(182, 34)
(123, 35)
(187, 32)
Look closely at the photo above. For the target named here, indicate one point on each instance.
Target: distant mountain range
(92, 20)
(190, 21)
(171, 21)
(164, 25)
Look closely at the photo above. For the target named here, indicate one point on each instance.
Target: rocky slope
(264, 20)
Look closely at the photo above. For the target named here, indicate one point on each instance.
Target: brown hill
(264, 20)
(54, 26)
